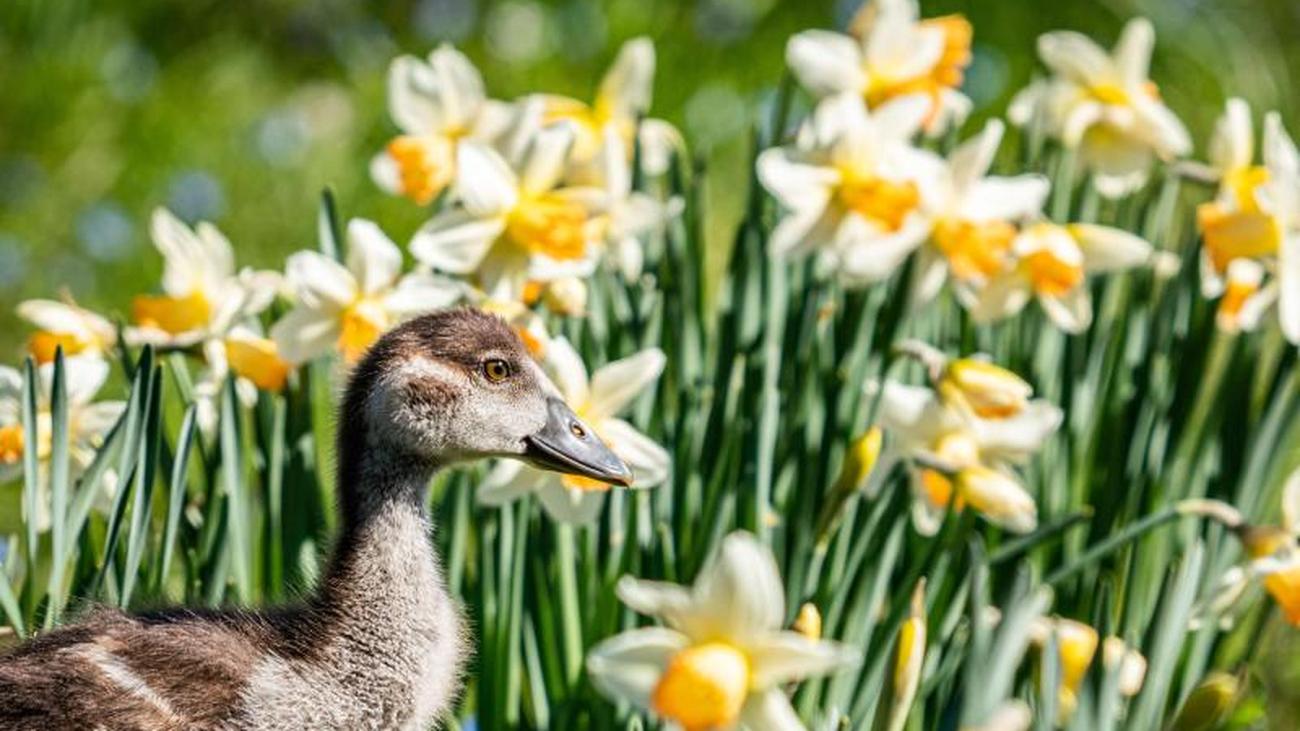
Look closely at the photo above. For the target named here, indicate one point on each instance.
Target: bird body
(381, 644)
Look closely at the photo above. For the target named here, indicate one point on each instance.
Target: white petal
(83, 377)
(320, 282)
(565, 367)
(899, 48)
(373, 258)
(901, 118)
(930, 273)
(1002, 297)
(485, 184)
(739, 594)
(546, 158)
(1233, 145)
(1107, 249)
(417, 293)
(1075, 57)
(770, 710)
(912, 413)
(660, 143)
(411, 103)
(649, 461)
(654, 598)
(869, 256)
(508, 480)
(579, 507)
(628, 86)
(1280, 154)
(456, 241)
(1017, 437)
(782, 657)
(1163, 130)
(1291, 503)
(616, 384)
(1133, 51)
(971, 160)
(460, 87)
(1071, 312)
(628, 666)
(217, 251)
(1005, 199)
(304, 333)
(95, 420)
(185, 261)
(794, 181)
(804, 230)
(1289, 287)
(825, 62)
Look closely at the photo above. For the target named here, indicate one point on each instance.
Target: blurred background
(241, 112)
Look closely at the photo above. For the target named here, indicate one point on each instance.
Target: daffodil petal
(617, 384)
(1017, 437)
(825, 62)
(544, 163)
(485, 184)
(509, 480)
(628, 665)
(320, 282)
(305, 333)
(1107, 249)
(738, 594)
(579, 507)
(1076, 57)
(1232, 147)
(565, 367)
(1005, 198)
(655, 598)
(1289, 287)
(649, 461)
(372, 257)
(1133, 51)
(783, 657)
(770, 710)
(420, 292)
(456, 241)
(1072, 312)
(971, 160)
(628, 86)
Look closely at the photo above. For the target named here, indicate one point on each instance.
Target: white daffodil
(976, 217)
(891, 53)
(203, 296)
(252, 359)
(630, 216)
(348, 307)
(1250, 256)
(88, 422)
(1076, 646)
(513, 226)
(597, 402)
(436, 104)
(723, 660)
(77, 330)
(1104, 105)
(1051, 263)
(962, 439)
(854, 189)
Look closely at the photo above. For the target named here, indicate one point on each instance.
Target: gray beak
(567, 445)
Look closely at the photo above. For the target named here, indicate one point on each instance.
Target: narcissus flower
(891, 53)
(629, 216)
(722, 660)
(1246, 258)
(1273, 554)
(1104, 105)
(435, 104)
(515, 225)
(959, 458)
(597, 401)
(88, 421)
(1076, 647)
(65, 325)
(347, 308)
(1051, 263)
(203, 296)
(976, 217)
(855, 190)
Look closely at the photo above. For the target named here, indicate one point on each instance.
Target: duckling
(381, 644)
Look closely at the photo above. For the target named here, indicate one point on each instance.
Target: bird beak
(567, 445)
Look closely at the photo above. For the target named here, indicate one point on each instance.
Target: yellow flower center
(1283, 586)
(809, 621)
(425, 165)
(258, 360)
(703, 687)
(1235, 295)
(884, 202)
(11, 444)
(360, 326)
(1050, 274)
(42, 345)
(947, 73)
(1243, 231)
(975, 251)
(958, 449)
(550, 225)
(172, 315)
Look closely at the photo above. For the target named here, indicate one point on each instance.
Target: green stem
(570, 614)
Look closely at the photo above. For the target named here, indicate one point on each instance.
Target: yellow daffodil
(510, 225)
(976, 217)
(1051, 263)
(203, 295)
(435, 103)
(723, 660)
(346, 308)
(1104, 105)
(78, 331)
(1076, 647)
(891, 53)
(597, 401)
(855, 190)
(88, 422)
(960, 458)
(1250, 230)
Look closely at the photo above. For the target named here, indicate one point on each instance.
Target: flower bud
(991, 392)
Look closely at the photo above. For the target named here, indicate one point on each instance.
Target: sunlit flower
(435, 104)
(515, 225)
(855, 190)
(252, 360)
(203, 295)
(1051, 263)
(346, 308)
(65, 325)
(1246, 259)
(891, 53)
(976, 217)
(629, 215)
(1076, 647)
(1104, 105)
(723, 660)
(597, 401)
(1273, 561)
(88, 421)
(959, 458)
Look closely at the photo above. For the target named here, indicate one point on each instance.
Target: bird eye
(496, 370)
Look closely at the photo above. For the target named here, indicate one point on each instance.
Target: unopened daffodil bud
(998, 497)
(1277, 557)
(809, 621)
(990, 391)
(567, 296)
(909, 660)
(861, 459)
(1208, 704)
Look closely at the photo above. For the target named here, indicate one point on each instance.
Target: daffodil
(1051, 263)
(88, 422)
(510, 225)
(962, 447)
(1076, 647)
(891, 53)
(629, 216)
(78, 331)
(976, 217)
(597, 401)
(1251, 249)
(1104, 105)
(346, 308)
(436, 103)
(723, 660)
(854, 189)
(203, 295)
